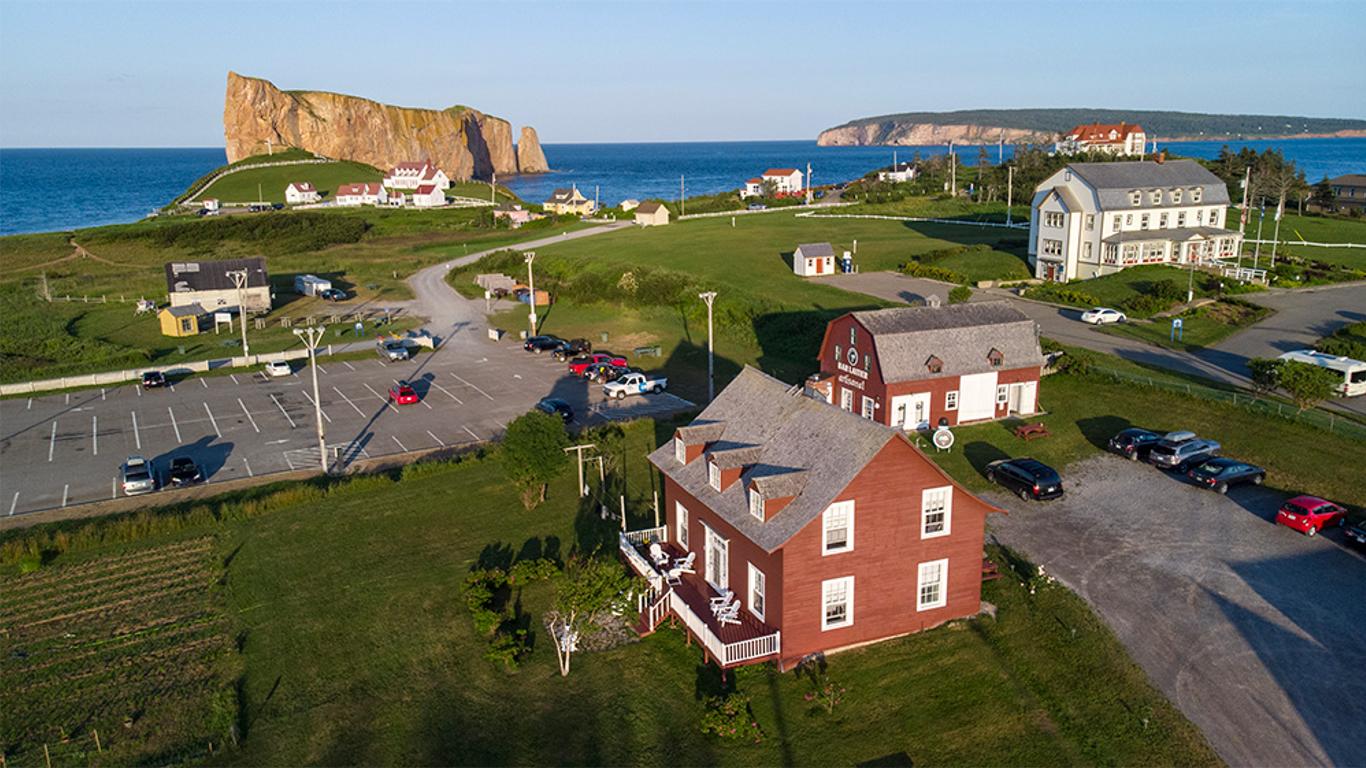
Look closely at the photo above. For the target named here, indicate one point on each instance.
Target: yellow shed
(180, 321)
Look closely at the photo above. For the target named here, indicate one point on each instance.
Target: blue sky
(152, 74)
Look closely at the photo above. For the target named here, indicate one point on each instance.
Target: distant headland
(462, 141)
(988, 126)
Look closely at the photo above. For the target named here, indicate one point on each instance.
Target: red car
(1310, 514)
(403, 394)
(579, 365)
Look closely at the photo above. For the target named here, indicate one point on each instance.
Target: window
(931, 589)
(1002, 394)
(680, 450)
(838, 358)
(756, 592)
(756, 503)
(714, 475)
(1176, 196)
(1154, 252)
(846, 399)
(936, 512)
(1052, 219)
(867, 362)
(1162, 221)
(869, 405)
(1131, 253)
(1090, 222)
(1128, 219)
(1111, 253)
(838, 525)
(681, 523)
(1195, 194)
(1214, 217)
(1086, 250)
(1052, 247)
(837, 598)
(717, 558)
(1143, 222)
(995, 358)
(1181, 219)
(1156, 197)
(1115, 226)
(1135, 197)
(934, 364)
(853, 335)
(951, 400)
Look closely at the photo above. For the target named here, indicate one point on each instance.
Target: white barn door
(977, 396)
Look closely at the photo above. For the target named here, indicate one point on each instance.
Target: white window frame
(680, 450)
(681, 525)
(1090, 222)
(1176, 196)
(758, 592)
(868, 408)
(926, 569)
(1156, 197)
(713, 475)
(845, 508)
(844, 584)
(846, 399)
(715, 543)
(1195, 194)
(1135, 197)
(1002, 394)
(756, 504)
(951, 400)
(930, 500)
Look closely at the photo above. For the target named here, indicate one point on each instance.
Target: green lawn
(1201, 327)
(242, 186)
(358, 650)
(1347, 341)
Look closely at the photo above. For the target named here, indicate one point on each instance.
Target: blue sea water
(122, 185)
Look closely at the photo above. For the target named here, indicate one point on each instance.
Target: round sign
(853, 356)
(943, 439)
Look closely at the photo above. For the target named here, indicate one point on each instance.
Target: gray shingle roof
(814, 250)
(1179, 234)
(798, 446)
(960, 335)
(186, 310)
(213, 275)
(1114, 181)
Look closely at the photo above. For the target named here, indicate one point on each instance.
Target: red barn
(817, 530)
(911, 367)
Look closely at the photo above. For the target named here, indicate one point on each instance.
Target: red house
(794, 528)
(911, 367)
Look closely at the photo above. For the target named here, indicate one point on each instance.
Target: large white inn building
(1092, 219)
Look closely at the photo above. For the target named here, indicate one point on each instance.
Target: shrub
(1165, 290)
(730, 718)
(960, 294)
(917, 269)
(1143, 305)
(1057, 292)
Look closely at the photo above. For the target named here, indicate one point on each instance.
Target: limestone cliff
(463, 142)
(912, 134)
(530, 158)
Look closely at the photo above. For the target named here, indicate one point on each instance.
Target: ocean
(123, 185)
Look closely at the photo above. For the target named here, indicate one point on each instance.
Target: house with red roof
(301, 192)
(1122, 139)
(794, 529)
(428, 196)
(786, 181)
(412, 175)
(361, 194)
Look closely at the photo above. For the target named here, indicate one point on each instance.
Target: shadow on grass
(1099, 429)
(980, 453)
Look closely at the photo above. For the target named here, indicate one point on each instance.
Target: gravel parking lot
(1253, 630)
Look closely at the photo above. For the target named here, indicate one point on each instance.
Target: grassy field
(1314, 229)
(1347, 341)
(1201, 327)
(242, 186)
(357, 649)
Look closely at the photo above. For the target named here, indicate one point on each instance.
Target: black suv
(1134, 443)
(573, 348)
(184, 471)
(1029, 478)
(539, 344)
(557, 407)
(153, 379)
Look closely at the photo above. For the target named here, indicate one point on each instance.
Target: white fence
(134, 374)
(1306, 242)
(997, 224)
(747, 212)
(189, 200)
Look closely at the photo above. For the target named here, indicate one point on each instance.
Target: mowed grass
(243, 186)
(1201, 327)
(1314, 229)
(357, 650)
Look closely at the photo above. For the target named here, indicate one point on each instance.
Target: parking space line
(309, 398)
(65, 493)
(448, 394)
(233, 376)
(204, 383)
(288, 461)
(14, 503)
(139, 389)
(437, 439)
(276, 400)
(174, 426)
(248, 413)
(387, 404)
(137, 436)
(52, 441)
(321, 369)
(94, 436)
(102, 393)
(348, 365)
(248, 466)
(467, 429)
(358, 411)
(212, 420)
(68, 402)
(401, 446)
(30, 404)
(476, 389)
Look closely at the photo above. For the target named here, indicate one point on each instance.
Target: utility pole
(578, 450)
(808, 183)
(953, 172)
(1257, 247)
(239, 279)
(530, 256)
(709, 297)
(312, 336)
(1010, 189)
(493, 189)
(1276, 236)
(1242, 212)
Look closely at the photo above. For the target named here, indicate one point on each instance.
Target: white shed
(812, 259)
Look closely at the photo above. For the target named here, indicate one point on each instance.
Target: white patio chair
(685, 564)
(729, 614)
(674, 577)
(722, 600)
(657, 554)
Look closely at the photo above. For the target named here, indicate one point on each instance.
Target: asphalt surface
(1253, 630)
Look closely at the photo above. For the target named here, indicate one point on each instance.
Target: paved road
(1254, 631)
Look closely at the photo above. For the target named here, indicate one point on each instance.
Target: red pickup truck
(579, 365)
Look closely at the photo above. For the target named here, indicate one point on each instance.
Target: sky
(151, 74)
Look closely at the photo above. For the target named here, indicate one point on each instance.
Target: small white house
(428, 196)
(652, 214)
(361, 194)
(898, 173)
(211, 204)
(813, 259)
(414, 175)
(301, 192)
(629, 205)
(785, 181)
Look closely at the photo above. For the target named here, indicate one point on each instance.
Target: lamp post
(311, 337)
(709, 297)
(239, 279)
(530, 256)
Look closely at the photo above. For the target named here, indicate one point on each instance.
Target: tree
(1308, 385)
(1323, 195)
(533, 453)
(1265, 373)
(770, 188)
(586, 593)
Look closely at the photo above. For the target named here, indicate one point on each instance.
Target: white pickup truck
(634, 384)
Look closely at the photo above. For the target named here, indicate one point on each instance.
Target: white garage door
(977, 396)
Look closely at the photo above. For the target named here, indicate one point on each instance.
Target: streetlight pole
(311, 337)
(709, 297)
(239, 279)
(530, 256)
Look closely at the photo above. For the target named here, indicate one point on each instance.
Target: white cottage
(301, 192)
(361, 194)
(428, 196)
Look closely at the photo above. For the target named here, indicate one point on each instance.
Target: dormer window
(934, 365)
(756, 503)
(995, 358)
(1195, 195)
(680, 450)
(1176, 196)
(1135, 197)
(1156, 196)
(714, 475)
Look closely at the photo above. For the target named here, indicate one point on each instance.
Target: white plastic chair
(657, 554)
(721, 601)
(730, 614)
(685, 564)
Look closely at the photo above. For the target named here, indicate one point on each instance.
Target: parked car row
(139, 475)
(610, 370)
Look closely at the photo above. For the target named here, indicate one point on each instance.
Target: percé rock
(463, 142)
(912, 134)
(530, 157)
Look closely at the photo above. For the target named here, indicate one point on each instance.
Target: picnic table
(1031, 431)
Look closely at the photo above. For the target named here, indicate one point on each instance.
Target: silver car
(138, 476)
(1179, 450)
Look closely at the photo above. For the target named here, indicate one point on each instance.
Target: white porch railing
(645, 535)
(637, 561)
(725, 653)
